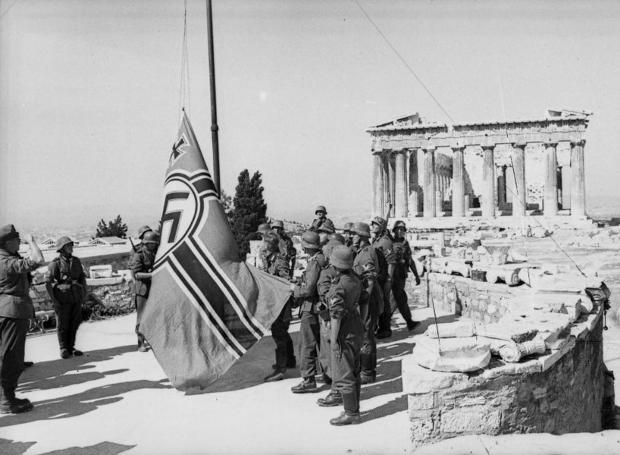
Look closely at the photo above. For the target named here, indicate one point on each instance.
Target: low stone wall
(558, 392)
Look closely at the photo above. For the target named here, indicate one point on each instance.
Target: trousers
(400, 299)
(346, 367)
(12, 346)
(309, 332)
(68, 319)
(139, 303)
(284, 343)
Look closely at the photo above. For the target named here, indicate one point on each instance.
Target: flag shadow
(80, 403)
(9, 447)
(51, 374)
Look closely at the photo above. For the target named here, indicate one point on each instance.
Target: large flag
(206, 308)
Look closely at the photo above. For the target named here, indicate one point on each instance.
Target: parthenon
(489, 170)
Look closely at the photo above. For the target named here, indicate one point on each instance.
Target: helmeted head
(263, 228)
(336, 237)
(143, 230)
(400, 228)
(271, 241)
(151, 240)
(361, 232)
(64, 245)
(310, 240)
(9, 238)
(320, 211)
(277, 225)
(341, 257)
(378, 225)
(347, 229)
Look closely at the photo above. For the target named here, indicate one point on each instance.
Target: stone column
(400, 182)
(385, 186)
(551, 180)
(566, 180)
(488, 181)
(578, 187)
(429, 183)
(414, 185)
(377, 184)
(392, 179)
(520, 197)
(458, 181)
(501, 188)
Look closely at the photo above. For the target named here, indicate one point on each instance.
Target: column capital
(458, 148)
(551, 143)
(518, 145)
(581, 143)
(488, 146)
(429, 148)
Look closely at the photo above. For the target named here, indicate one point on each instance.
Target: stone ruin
(510, 359)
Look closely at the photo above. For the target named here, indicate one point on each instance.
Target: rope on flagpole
(184, 89)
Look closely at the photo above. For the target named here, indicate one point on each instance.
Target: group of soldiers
(343, 299)
(65, 283)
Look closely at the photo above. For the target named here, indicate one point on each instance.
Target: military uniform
(141, 261)
(15, 311)
(387, 259)
(276, 264)
(322, 224)
(365, 266)
(343, 297)
(288, 249)
(67, 280)
(404, 262)
(307, 296)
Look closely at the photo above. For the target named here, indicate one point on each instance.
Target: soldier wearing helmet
(346, 335)
(321, 223)
(15, 311)
(366, 265)
(275, 263)
(143, 230)
(141, 265)
(404, 262)
(286, 245)
(307, 297)
(66, 286)
(382, 243)
(348, 234)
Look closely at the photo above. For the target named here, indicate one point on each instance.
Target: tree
(114, 228)
(227, 203)
(249, 209)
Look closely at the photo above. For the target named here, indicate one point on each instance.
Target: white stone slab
(452, 354)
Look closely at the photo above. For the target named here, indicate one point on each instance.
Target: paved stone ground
(115, 400)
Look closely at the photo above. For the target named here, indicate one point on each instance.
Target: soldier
(274, 262)
(322, 221)
(66, 286)
(15, 311)
(366, 267)
(347, 234)
(309, 330)
(404, 263)
(383, 245)
(286, 245)
(143, 230)
(141, 265)
(263, 229)
(346, 332)
(333, 240)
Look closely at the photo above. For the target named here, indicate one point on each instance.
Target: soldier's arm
(49, 281)
(308, 288)
(336, 312)
(323, 284)
(282, 269)
(35, 253)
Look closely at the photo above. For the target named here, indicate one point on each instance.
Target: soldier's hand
(292, 287)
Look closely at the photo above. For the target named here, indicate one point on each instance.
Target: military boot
(351, 414)
(308, 385)
(9, 404)
(276, 375)
(333, 398)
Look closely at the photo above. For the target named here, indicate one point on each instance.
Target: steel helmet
(277, 224)
(150, 237)
(361, 229)
(399, 224)
(143, 230)
(336, 237)
(348, 227)
(341, 257)
(263, 228)
(320, 208)
(379, 222)
(62, 242)
(310, 240)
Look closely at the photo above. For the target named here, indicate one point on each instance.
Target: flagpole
(214, 127)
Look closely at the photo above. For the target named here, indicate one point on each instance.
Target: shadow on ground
(390, 353)
(8, 447)
(52, 374)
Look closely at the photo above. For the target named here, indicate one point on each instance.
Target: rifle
(133, 247)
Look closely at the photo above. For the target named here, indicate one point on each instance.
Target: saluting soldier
(404, 263)
(321, 220)
(15, 311)
(286, 245)
(307, 297)
(275, 263)
(141, 265)
(346, 334)
(66, 286)
(383, 245)
(366, 267)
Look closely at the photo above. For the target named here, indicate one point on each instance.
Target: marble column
(551, 180)
(566, 181)
(501, 188)
(429, 183)
(392, 179)
(385, 186)
(488, 181)
(578, 187)
(414, 185)
(520, 197)
(458, 181)
(400, 178)
(377, 184)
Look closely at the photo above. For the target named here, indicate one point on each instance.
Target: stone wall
(538, 396)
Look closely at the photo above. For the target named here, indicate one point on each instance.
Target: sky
(90, 93)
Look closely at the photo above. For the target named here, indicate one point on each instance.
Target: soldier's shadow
(389, 369)
(9, 447)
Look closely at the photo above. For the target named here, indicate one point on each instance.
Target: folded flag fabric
(206, 307)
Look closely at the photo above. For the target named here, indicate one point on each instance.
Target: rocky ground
(115, 400)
